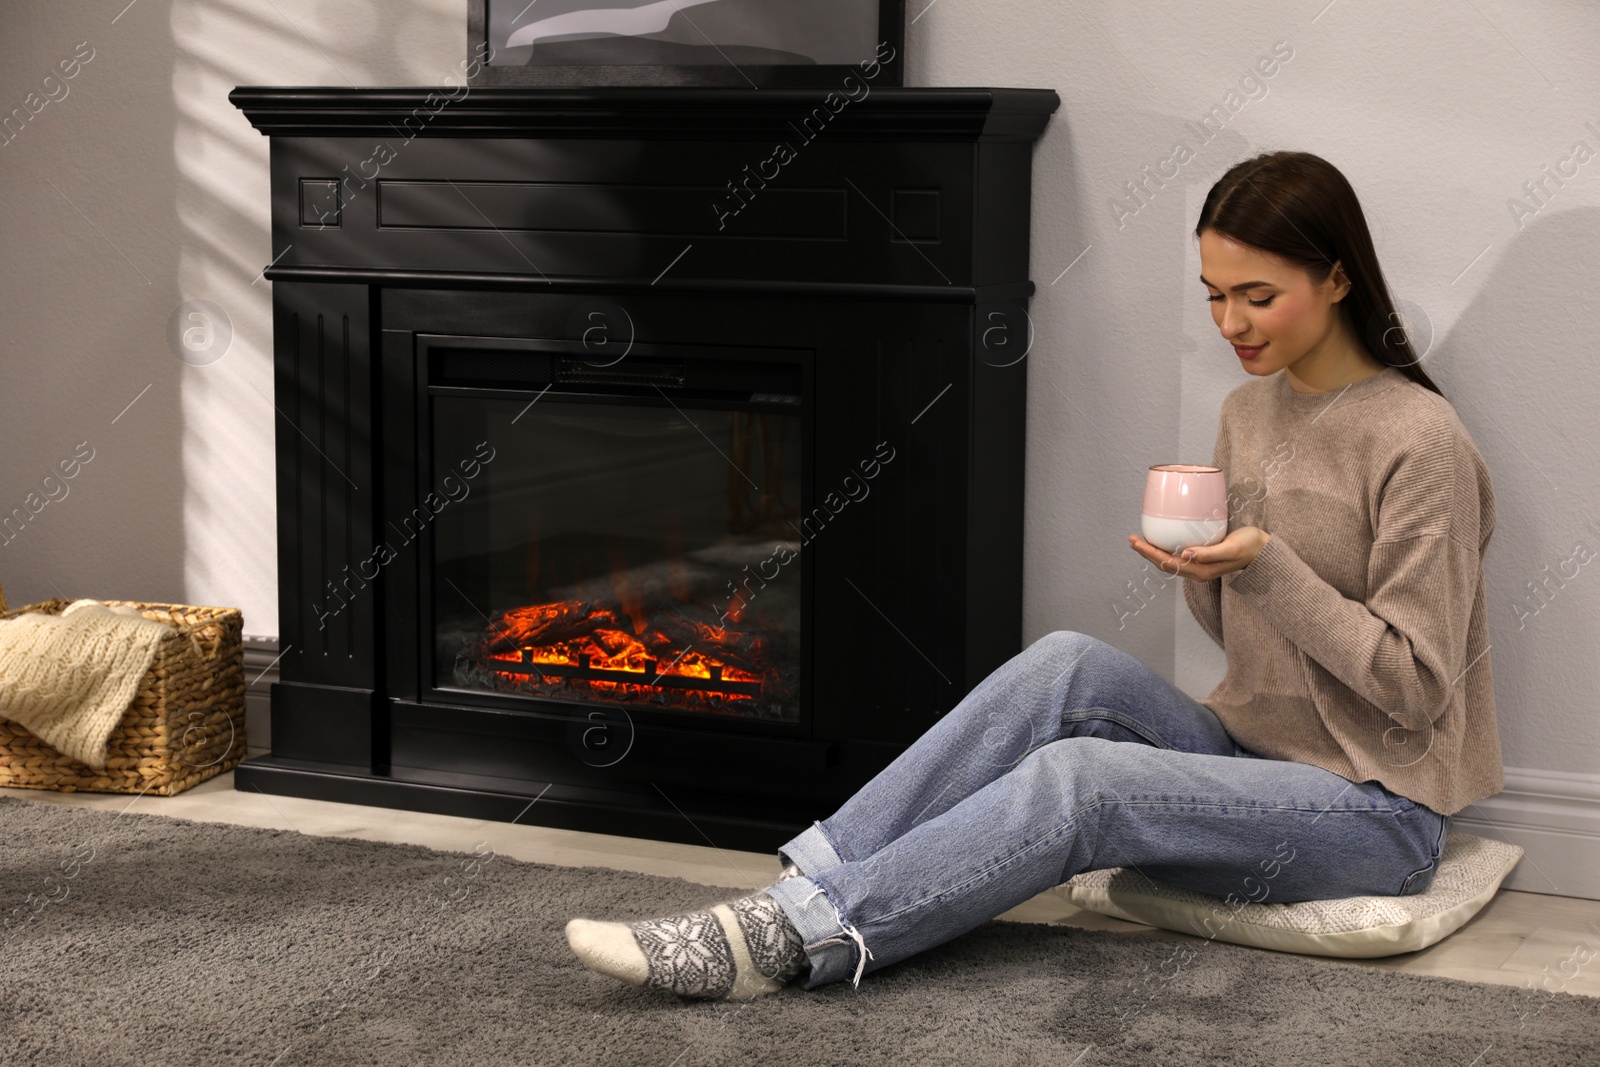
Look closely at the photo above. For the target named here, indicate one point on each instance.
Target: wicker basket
(186, 722)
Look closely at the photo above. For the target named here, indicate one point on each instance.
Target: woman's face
(1267, 307)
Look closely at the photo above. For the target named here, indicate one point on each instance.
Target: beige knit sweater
(1357, 641)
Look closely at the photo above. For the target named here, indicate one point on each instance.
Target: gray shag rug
(145, 939)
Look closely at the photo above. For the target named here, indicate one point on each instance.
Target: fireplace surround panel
(615, 476)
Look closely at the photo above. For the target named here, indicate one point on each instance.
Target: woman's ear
(1340, 282)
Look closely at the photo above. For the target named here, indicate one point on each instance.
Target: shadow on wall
(233, 415)
(91, 487)
(1113, 392)
(1518, 365)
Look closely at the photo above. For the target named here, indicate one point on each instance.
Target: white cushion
(1470, 872)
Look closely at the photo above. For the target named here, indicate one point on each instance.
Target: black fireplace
(598, 495)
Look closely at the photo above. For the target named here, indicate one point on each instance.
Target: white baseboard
(1555, 817)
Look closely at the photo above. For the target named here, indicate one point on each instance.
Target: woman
(1357, 711)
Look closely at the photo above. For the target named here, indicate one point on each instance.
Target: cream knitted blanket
(68, 679)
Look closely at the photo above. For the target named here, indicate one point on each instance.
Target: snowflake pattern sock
(733, 951)
(789, 871)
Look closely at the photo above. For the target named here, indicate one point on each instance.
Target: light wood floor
(1519, 939)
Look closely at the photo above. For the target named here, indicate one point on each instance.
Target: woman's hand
(1205, 562)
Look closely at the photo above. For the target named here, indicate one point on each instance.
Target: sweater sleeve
(1205, 598)
(1406, 647)
(1205, 604)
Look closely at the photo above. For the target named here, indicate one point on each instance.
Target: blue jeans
(1074, 756)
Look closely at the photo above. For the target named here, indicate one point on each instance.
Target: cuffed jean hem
(811, 851)
(834, 949)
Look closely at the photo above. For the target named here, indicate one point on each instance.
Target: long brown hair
(1298, 206)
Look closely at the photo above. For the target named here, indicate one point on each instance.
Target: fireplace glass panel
(620, 551)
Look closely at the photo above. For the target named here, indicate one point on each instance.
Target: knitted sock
(789, 871)
(734, 951)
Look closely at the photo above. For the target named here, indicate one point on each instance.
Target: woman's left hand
(1205, 562)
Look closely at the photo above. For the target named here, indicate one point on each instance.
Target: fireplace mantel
(664, 113)
(872, 252)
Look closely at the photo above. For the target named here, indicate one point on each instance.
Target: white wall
(1437, 113)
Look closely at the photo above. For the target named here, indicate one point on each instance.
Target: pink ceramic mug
(1184, 504)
